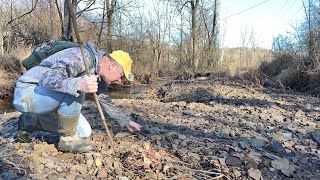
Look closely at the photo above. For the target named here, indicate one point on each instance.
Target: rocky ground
(208, 128)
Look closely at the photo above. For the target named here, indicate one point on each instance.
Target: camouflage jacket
(59, 72)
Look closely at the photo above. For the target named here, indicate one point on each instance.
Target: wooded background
(163, 37)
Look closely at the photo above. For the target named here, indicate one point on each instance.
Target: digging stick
(85, 61)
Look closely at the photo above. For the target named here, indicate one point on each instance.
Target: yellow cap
(125, 62)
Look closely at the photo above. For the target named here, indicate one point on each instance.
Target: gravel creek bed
(209, 128)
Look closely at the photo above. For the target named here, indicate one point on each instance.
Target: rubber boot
(28, 122)
(69, 142)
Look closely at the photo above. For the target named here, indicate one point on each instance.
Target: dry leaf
(146, 162)
(99, 162)
(146, 145)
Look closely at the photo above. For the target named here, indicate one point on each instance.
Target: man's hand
(133, 126)
(88, 84)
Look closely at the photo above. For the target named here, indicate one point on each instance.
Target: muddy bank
(194, 129)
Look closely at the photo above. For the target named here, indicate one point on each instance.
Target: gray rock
(244, 144)
(254, 174)
(257, 143)
(277, 147)
(316, 137)
(251, 164)
(233, 161)
(279, 164)
(278, 118)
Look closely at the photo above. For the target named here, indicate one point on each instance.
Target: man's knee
(83, 127)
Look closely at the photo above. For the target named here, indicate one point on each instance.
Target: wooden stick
(85, 61)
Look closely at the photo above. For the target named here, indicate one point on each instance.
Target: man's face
(112, 72)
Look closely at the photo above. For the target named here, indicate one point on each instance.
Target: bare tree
(110, 11)
(54, 24)
(67, 25)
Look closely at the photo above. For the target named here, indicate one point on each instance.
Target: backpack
(44, 50)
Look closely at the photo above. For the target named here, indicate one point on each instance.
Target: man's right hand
(88, 84)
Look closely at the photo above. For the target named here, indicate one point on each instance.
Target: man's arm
(114, 111)
(61, 76)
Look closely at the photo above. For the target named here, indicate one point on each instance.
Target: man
(51, 95)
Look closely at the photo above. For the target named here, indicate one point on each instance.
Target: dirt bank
(194, 129)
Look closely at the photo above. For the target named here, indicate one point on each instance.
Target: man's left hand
(133, 126)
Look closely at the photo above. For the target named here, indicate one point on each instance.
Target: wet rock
(233, 161)
(254, 174)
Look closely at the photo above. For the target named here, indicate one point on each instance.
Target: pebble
(254, 174)
(233, 161)
(280, 164)
(277, 147)
(236, 173)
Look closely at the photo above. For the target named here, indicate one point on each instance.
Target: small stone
(195, 156)
(287, 136)
(244, 144)
(102, 173)
(233, 161)
(236, 173)
(287, 172)
(121, 135)
(245, 135)
(257, 143)
(182, 137)
(278, 118)
(60, 169)
(277, 147)
(280, 164)
(316, 137)
(254, 174)
(222, 161)
(184, 143)
(182, 104)
(117, 168)
(302, 131)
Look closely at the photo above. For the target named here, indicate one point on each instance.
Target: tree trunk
(105, 5)
(1, 41)
(194, 60)
(110, 11)
(53, 20)
(67, 25)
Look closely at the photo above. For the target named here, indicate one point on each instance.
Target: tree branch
(33, 8)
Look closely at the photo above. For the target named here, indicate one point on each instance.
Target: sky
(270, 18)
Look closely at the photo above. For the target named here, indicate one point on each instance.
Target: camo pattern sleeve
(109, 107)
(64, 68)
